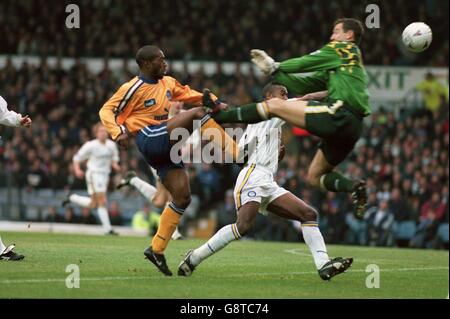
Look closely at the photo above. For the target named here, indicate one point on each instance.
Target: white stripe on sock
(314, 239)
(217, 242)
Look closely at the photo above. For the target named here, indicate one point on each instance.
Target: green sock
(247, 113)
(335, 182)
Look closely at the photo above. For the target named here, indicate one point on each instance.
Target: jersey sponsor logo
(149, 103)
(169, 95)
(251, 194)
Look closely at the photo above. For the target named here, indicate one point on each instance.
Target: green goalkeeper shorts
(338, 127)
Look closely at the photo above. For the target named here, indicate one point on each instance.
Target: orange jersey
(141, 102)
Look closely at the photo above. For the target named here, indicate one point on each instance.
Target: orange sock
(167, 225)
(227, 143)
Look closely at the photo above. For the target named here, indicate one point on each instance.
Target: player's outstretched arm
(11, 118)
(324, 59)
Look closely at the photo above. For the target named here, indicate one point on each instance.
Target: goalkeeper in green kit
(340, 81)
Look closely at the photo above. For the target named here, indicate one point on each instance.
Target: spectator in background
(399, 207)
(433, 92)
(87, 217)
(146, 219)
(431, 214)
(115, 214)
(141, 219)
(226, 212)
(52, 215)
(433, 209)
(210, 183)
(335, 218)
(69, 216)
(379, 221)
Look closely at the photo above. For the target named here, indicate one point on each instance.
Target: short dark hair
(269, 87)
(352, 24)
(147, 52)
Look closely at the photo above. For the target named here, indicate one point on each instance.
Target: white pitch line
(351, 270)
(51, 280)
(298, 251)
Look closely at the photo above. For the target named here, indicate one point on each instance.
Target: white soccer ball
(417, 37)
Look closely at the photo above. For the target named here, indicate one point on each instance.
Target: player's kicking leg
(339, 129)
(291, 207)
(8, 253)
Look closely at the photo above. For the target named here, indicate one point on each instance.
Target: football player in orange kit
(140, 108)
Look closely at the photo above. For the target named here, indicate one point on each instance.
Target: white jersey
(99, 155)
(261, 141)
(9, 118)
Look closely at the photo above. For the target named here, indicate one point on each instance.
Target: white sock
(82, 201)
(222, 238)
(2, 246)
(104, 218)
(314, 239)
(147, 190)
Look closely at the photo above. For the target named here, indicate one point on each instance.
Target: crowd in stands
(404, 158)
(216, 30)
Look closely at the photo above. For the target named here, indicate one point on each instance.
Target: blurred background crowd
(218, 30)
(403, 153)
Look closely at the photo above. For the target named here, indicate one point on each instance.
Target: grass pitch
(114, 267)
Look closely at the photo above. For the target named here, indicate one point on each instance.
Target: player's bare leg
(291, 207)
(322, 174)
(319, 167)
(162, 196)
(292, 111)
(185, 120)
(245, 221)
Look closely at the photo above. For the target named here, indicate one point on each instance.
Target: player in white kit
(101, 155)
(257, 191)
(11, 118)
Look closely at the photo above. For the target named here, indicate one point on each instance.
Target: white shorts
(256, 184)
(97, 182)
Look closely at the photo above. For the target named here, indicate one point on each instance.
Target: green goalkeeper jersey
(338, 68)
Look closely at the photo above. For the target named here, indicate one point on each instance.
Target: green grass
(114, 267)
